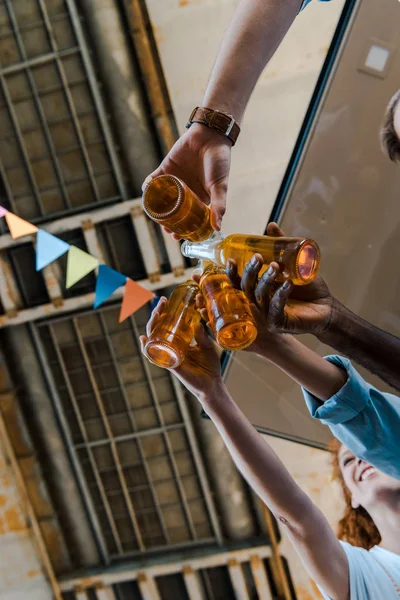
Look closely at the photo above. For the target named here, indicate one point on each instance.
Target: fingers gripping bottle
(299, 258)
(170, 340)
(228, 310)
(170, 202)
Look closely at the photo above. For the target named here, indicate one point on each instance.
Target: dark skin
(312, 309)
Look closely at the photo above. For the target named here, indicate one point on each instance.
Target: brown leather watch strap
(215, 119)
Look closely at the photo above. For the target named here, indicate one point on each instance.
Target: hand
(200, 372)
(201, 158)
(300, 309)
(288, 308)
(266, 341)
(258, 293)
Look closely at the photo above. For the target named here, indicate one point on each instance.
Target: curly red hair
(356, 526)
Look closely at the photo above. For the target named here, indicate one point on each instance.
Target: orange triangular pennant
(135, 297)
(19, 227)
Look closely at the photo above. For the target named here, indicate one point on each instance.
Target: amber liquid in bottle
(170, 202)
(170, 340)
(298, 258)
(228, 310)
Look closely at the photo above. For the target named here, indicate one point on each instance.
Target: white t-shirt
(368, 579)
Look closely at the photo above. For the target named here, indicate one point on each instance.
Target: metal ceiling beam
(190, 559)
(85, 301)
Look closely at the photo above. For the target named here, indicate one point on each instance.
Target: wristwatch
(215, 119)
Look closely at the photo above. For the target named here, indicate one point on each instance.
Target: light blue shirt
(364, 419)
(371, 572)
(308, 2)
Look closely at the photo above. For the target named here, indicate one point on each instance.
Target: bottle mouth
(237, 336)
(163, 355)
(307, 262)
(162, 197)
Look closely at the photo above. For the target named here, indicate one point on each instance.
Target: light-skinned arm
(201, 156)
(307, 527)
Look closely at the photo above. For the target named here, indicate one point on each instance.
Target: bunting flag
(79, 264)
(19, 227)
(48, 249)
(107, 282)
(135, 297)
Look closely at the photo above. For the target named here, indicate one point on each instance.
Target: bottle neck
(209, 250)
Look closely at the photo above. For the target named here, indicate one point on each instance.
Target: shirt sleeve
(305, 2)
(364, 419)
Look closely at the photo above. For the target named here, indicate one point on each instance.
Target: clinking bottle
(170, 340)
(228, 309)
(170, 202)
(298, 258)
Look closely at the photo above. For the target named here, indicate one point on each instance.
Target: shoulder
(372, 572)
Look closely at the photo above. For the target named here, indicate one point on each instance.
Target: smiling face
(367, 485)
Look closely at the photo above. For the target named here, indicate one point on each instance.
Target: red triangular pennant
(135, 297)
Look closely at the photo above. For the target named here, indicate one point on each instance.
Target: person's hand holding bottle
(201, 158)
(200, 372)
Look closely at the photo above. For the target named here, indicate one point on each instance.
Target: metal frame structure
(89, 368)
(193, 571)
(26, 67)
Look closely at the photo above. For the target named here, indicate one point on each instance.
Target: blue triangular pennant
(107, 282)
(48, 248)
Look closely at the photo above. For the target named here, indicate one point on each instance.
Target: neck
(388, 523)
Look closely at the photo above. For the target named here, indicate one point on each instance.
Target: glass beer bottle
(228, 310)
(168, 343)
(298, 258)
(170, 202)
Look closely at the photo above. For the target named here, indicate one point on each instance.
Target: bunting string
(79, 264)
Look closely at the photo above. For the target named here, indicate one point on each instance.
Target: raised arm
(255, 32)
(362, 417)
(307, 527)
(313, 309)
(309, 531)
(201, 156)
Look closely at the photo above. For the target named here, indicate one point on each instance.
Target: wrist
(339, 322)
(275, 346)
(213, 395)
(203, 135)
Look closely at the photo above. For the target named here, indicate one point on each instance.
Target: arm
(201, 156)
(364, 419)
(312, 309)
(310, 533)
(319, 377)
(308, 529)
(371, 347)
(257, 29)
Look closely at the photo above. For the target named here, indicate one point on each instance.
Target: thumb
(218, 203)
(149, 178)
(274, 230)
(203, 340)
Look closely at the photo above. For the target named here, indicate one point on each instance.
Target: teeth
(367, 473)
